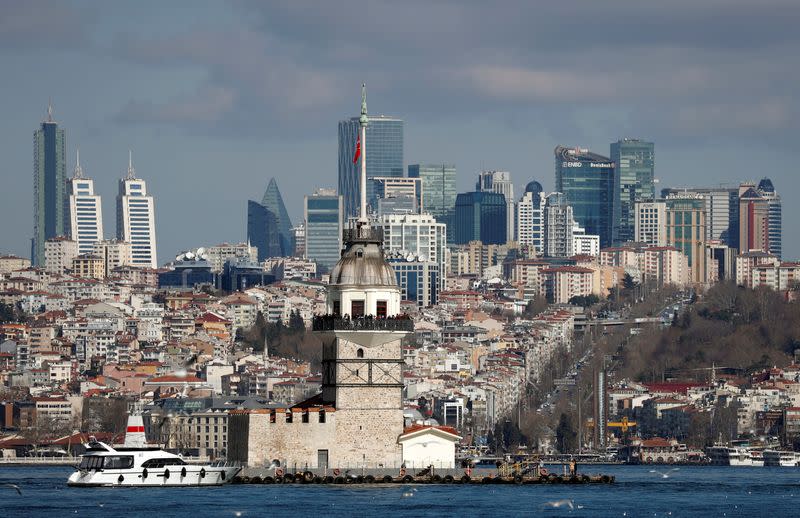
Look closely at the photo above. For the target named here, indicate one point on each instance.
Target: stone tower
(362, 356)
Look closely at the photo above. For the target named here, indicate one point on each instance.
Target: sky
(215, 98)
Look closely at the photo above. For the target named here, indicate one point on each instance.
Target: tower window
(380, 309)
(337, 307)
(360, 353)
(360, 252)
(357, 308)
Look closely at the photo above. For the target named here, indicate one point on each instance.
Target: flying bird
(664, 474)
(14, 486)
(557, 504)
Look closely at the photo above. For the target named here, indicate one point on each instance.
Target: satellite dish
(200, 251)
(189, 255)
(410, 258)
(179, 257)
(421, 258)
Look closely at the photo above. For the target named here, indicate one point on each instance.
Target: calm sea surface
(689, 491)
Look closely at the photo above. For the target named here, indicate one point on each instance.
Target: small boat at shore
(781, 458)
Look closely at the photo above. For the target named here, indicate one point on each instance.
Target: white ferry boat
(781, 458)
(734, 456)
(137, 465)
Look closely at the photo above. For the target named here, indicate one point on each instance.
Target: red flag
(358, 150)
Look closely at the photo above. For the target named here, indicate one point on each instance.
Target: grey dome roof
(363, 264)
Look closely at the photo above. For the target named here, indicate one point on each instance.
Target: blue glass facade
(587, 181)
(384, 151)
(438, 190)
(418, 281)
(262, 231)
(633, 182)
(50, 200)
(324, 220)
(480, 216)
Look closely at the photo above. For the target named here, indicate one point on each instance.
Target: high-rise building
(500, 182)
(558, 226)
(85, 210)
(587, 181)
(722, 212)
(767, 191)
(273, 201)
(633, 182)
(530, 217)
(50, 210)
(324, 216)
(686, 231)
(480, 216)
(262, 231)
(419, 239)
(397, 195)
(136, 220)
(384, 136)
(753, 219)
(650, 223)
(438, 191)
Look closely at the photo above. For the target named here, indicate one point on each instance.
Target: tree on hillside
(566, 435)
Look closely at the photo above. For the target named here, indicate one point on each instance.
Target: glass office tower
(633, 182)
(324, 216)
(384, 150)
(50, 209)
(480, 216)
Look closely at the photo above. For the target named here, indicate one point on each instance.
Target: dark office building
(239, 276)
(187, 275)
(633, 181)
(480, 216)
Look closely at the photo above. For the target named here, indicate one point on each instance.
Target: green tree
(566, 435)
(296, 322)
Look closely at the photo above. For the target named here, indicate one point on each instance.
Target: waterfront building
(587, 181)
(634, 160)
(85, 210)
(438, 191)
(500, 182)
(722, 211)
(480, 216)
(530, 218)
(324, 216)
(686, 231)
(385, 135)
(775, 218)
(50, 211)
(136, 222)
(59, 253)
(650, 223)
(753, 219)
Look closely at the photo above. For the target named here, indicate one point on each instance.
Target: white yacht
(137, 465)
(781, 458)
(720, 455)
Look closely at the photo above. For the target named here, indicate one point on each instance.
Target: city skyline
(181, 136)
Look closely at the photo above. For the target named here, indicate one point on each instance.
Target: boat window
(118, 462)
(91, 462)
(160, 463)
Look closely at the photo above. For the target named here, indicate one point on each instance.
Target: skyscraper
(558, 226)
(273, 201)
(633, 182)
(767, 191)
(500, 182)
(262, 231)
(650, 224)
(722, 211)
(85, 210)
(384, 136)
(587, 181)
(686, 230)
(530, 224)
(324, 216)
(49, 186)
(136, 220)
(753, 220)
(438, 189)
(480, 216)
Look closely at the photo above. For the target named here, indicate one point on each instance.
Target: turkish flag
(358, 150)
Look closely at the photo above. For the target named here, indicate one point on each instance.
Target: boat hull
(183, 476)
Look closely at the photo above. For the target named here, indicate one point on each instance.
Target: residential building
(85, 210)
(324, 223)
(650, 223)
(9, 263)
(58, 254)
(558, 226)
(88, 266)
(384, 147)
(500, 182)
(587, 181)
(633, 182)
(114, 254)
(559, 284)
(775, 217)
(585, 244)
(217, 255)
(686, 231)
(530, 218)
(481, 216)
(49, 186)
(136, 223)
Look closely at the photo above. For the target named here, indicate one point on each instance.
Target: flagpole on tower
(363, 121)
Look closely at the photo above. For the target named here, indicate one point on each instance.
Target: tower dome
(534, 186)
(363, 264)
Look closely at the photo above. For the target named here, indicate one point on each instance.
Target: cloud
(207, 105)
(35, 25)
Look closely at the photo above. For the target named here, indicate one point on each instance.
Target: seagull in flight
(14, 486)
(557, 504)
(664, 474)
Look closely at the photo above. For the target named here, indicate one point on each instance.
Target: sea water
(638, 491)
